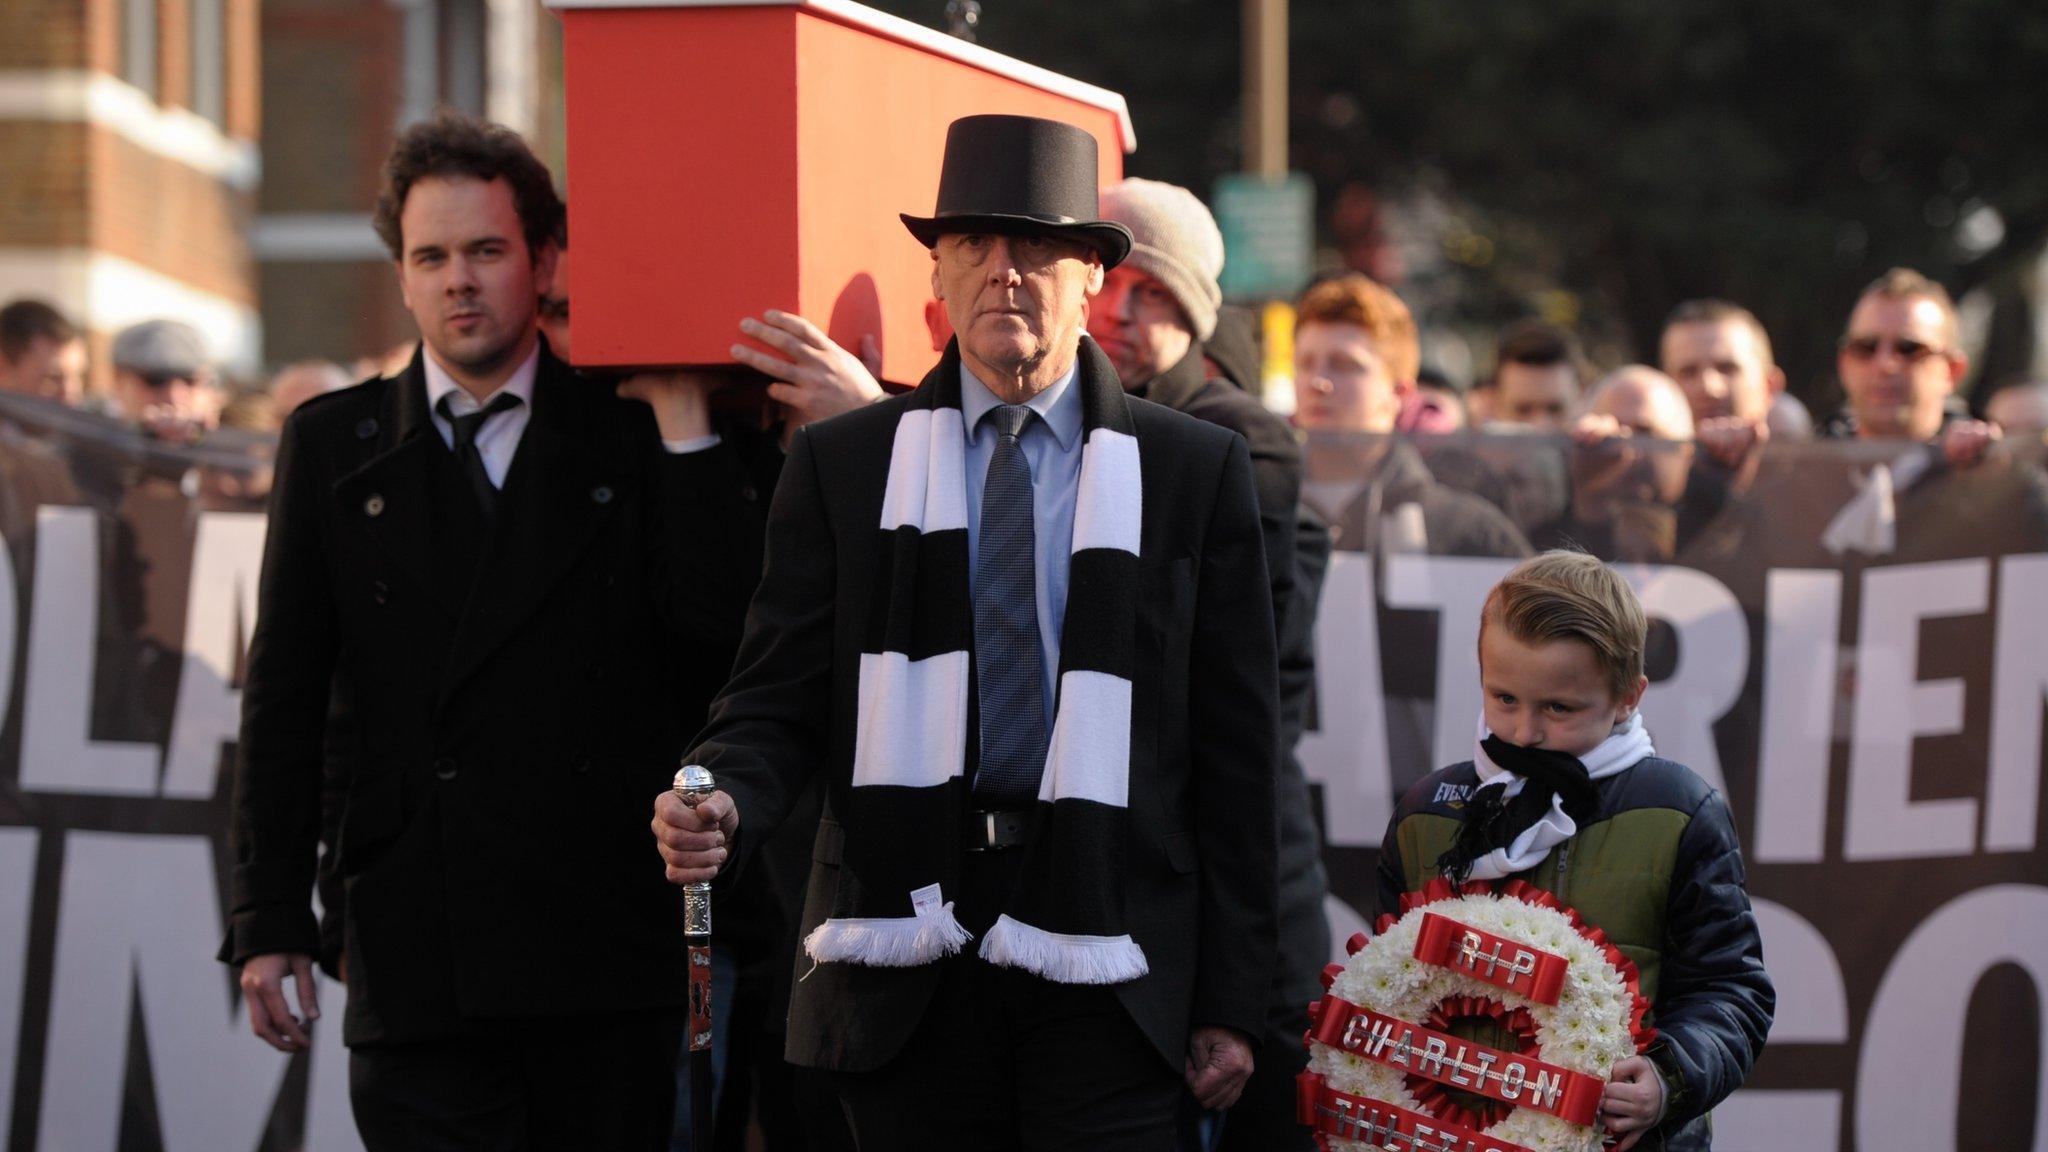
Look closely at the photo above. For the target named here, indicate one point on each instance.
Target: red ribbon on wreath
(1436, 1098)
(1497, 960)
(1516, 1023)
(1511, 1078)
(1329, 1112)
(1440, 889)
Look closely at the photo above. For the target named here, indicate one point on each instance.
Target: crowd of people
(501, 599)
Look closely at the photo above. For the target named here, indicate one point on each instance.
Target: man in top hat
(1021, 622)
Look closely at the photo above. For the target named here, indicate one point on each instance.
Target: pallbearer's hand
(814, 377)
(681, 400)
(693, 841)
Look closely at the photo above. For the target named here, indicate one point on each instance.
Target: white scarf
(1626, 746)
(1869, 522)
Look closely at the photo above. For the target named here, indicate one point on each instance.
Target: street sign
(1269, 233)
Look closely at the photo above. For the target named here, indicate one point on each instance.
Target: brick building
(216, 160)
(129, 164)
(339, 78)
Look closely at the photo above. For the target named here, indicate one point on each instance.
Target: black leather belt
(988, 831)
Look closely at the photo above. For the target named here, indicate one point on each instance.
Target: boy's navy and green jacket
(1658, 869)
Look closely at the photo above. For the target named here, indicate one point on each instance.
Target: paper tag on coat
(926, 900)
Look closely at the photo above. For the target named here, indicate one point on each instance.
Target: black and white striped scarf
(1065, 917)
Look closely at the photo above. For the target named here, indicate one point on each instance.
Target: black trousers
(584, 1084)
(1006, 1060)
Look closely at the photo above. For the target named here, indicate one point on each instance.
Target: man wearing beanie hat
(1156, 311)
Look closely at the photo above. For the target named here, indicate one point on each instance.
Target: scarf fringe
(888, 942)
(1061, 958)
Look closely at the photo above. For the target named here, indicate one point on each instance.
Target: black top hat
(1020, 174)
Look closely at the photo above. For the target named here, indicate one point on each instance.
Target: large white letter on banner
(9, 613)
(2019, 684)
(1893, 706)
(17, 891)
(58, 753)
(1802, 678)
(227, 554)
(1347, 753)
(1455, 586)
(1713, 661)
(1909, 1075)
(1813, 1008)
(140, 914)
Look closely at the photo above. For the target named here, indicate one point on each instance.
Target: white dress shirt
(498, 440)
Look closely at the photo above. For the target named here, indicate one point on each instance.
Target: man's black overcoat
(1198, 886)
(516, 702)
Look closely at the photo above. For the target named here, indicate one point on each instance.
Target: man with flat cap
(1021, 623)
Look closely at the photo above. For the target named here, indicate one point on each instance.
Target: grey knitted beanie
(1176, 242)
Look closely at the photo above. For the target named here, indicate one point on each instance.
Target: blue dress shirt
(1052, 446)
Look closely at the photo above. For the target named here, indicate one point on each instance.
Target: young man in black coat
(515, 589)
(1039, 906)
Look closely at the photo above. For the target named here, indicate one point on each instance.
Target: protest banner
(1870, 698)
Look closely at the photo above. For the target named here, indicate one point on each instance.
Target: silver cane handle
(692, 784)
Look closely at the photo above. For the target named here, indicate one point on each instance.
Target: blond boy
(1566, 792)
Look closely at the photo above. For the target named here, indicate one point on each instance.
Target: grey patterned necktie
(466, 426)
(1009, 661)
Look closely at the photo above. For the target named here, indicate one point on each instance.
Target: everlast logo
(1453, 794)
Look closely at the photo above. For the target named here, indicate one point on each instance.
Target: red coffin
(728, 158)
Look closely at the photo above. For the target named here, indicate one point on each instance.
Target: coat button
(596, 671)
(580, 763)
(374, 506)
(601, 494)
(748, 493)
(380, 591)
(444, 768)
(366, 428)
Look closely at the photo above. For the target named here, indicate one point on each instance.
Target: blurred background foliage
(1597, 161)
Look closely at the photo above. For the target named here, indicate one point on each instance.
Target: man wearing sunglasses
(164, 381)
(1900, 362)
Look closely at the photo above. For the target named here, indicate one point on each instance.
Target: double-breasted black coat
(513, 697)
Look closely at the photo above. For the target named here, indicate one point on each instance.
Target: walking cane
(692, 785)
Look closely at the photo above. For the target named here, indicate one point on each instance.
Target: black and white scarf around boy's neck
(1065, 916)
(1530, 800)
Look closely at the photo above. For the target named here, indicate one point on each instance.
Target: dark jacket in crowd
(1264, 1116)
(1453, 523)
(515, 694)
(1276, 457)
(1657, 868)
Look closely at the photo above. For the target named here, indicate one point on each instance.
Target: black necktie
(466, 454)
(1009, 657)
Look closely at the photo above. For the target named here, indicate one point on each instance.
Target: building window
(138, 44)
(209, 59)
(462, 63)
